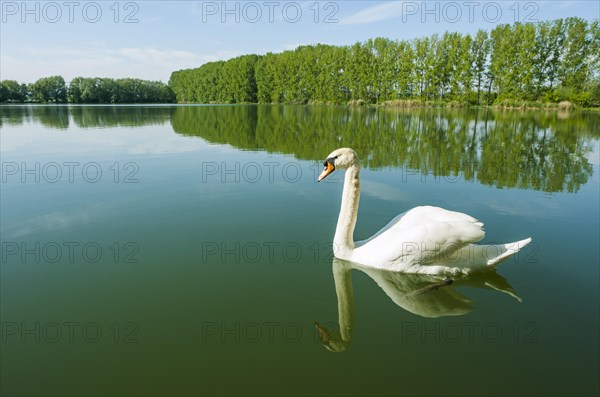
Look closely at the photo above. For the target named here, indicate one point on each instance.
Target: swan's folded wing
(421, 236)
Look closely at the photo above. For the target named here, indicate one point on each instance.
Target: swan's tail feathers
(497, 253)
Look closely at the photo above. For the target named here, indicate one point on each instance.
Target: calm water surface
(186, 250)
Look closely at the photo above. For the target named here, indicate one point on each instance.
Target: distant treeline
(549, 61)
(86, 90)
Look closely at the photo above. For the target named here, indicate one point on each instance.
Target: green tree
(49, 89)
(421, 63)
(575, 70)
(12, 91)
(405, 78)
(480, 49)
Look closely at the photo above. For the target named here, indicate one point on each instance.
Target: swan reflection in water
(424, 295)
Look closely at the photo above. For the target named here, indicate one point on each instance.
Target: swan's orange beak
(328, 169)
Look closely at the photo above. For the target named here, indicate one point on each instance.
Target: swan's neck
(343, 288)
(344, 232)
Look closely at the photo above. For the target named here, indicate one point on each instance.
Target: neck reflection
(423, 295)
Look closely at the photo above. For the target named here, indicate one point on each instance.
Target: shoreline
(408, 104)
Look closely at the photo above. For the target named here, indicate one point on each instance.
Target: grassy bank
(564, 106)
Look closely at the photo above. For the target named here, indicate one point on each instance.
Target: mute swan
(427, 240)
(423, 295)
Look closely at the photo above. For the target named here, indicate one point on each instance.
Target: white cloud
(98, 61)
(375, 13)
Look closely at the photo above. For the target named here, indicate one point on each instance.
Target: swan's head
(338, 159)
(332, 340)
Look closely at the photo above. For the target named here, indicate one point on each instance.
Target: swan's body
(427, 240)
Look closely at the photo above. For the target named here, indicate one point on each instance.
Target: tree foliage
(87, 90)
(549, 61)
(104, 90)
(12, 91)
(233, 81)
(49, 89)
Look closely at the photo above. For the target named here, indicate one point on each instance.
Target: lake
(187, 250)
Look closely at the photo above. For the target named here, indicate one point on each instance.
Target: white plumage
(427, 240)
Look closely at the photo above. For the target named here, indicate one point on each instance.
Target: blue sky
(150, 39)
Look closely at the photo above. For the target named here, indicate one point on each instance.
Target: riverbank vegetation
(512, 66)
(86, 90)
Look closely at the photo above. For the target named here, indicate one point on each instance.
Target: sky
(151, 39)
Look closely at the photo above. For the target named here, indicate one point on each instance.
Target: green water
(186, 250)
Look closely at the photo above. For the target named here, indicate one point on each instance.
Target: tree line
(550, 61)
(53, 89)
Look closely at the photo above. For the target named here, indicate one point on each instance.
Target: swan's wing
(423, 235)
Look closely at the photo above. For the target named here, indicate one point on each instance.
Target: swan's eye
(330, 160)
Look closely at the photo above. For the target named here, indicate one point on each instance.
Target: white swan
(427, 240)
